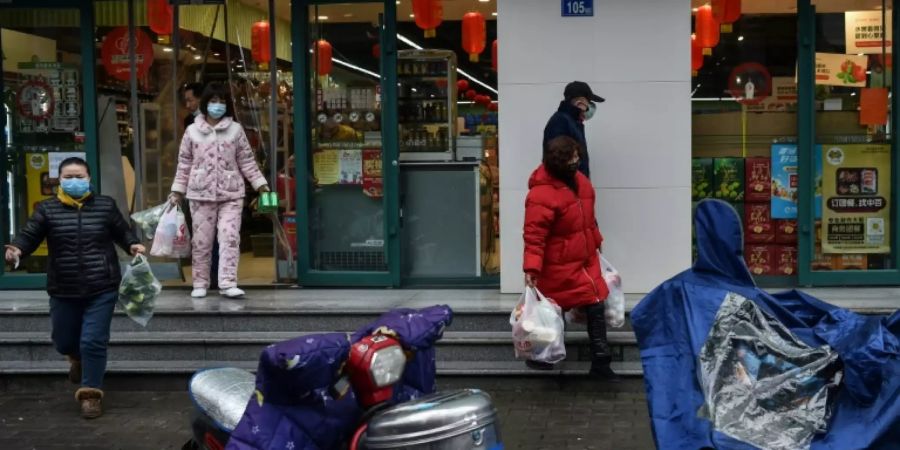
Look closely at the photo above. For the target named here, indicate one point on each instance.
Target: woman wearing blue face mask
(214, 159)
(83, 275)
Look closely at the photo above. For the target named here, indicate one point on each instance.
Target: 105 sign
(577, 8)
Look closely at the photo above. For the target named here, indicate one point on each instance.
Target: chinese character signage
(857, 186)
(865, 34)
(835, 69)
(786, 181)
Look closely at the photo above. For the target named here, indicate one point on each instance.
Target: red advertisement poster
(115, 53)
(373, 183)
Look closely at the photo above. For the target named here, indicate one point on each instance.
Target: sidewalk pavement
(531, 419)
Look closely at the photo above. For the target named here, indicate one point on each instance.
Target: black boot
(600, 353)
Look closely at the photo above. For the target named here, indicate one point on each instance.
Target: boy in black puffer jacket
(83, 275)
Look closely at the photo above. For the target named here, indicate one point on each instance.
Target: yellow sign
(836, 69)
(39, 188)
(857, 194)
(327, 167)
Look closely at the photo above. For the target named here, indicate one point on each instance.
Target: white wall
(634, 53)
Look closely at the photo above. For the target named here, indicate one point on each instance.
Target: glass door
(47, 113)
(347, 151)
(848, 207)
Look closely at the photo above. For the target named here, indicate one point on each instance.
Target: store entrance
(348, 145)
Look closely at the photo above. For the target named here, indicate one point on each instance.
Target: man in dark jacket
(191, 96)
(578, 105)
(83, 273)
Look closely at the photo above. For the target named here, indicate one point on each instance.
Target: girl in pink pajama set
(213, 161)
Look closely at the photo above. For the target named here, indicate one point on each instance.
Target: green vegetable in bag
(138, 291)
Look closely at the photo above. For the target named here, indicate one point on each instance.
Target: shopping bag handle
(138, 259)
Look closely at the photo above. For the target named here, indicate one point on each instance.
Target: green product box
(701, 178)
(729, 179)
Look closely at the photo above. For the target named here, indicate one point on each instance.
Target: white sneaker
(232, 293)
(198, 293)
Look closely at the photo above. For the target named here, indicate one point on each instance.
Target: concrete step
(246, 346)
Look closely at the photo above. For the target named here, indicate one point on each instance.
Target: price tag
(577, 8)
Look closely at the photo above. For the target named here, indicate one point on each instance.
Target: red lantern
(493, 107)
(707, 29)
(474, 32)
(483, 100)
(471, 94)
(494, 55)
(726, 12)
(160, 17)
(376, 51)
(696, 55)
(260, 48)
(323, 57)
(462, 85)
(428, 14)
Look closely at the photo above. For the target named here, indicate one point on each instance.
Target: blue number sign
(577, 8)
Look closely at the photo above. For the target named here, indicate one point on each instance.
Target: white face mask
(216, 110)
(592, 108)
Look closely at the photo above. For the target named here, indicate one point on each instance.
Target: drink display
(427, 105)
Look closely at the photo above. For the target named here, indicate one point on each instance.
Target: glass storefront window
(744, 130)
(43, 95)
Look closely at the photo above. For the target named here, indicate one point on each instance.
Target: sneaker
(74, 370)
(198, 293)
(232, 293)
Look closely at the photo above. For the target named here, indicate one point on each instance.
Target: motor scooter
(368, 378)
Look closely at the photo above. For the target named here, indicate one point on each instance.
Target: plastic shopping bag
(138, 290)
(615, 303)
(172, 239)
(148, 219)
(537, 328)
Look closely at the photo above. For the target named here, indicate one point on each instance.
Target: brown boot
(90, 399)
(74, 370)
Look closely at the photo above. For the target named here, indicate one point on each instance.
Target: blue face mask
(75, 187)
(592, 108)
(216, 110)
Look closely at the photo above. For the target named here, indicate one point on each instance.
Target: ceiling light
(853, 94)
(494, 13)
(216, 54)
(198, 57)
(484, 1)
(740, 38)
(348, 15)
(167, 49)
(323, 17)
(859, 54)
(412, 16)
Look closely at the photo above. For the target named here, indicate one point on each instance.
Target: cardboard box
(785, 260)
(760, 259)
(821, 261)
(701, 178)
(849, 262)
(729, 179)
(758, 225)
(785, 231)
(758, 172)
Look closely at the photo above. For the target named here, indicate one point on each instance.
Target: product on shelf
(821, 261)
(760, 259)
(846, 261)
(701, 178)
(786, 231)
(758, 172)
(729, 179)
(785, 260)
(758, 226)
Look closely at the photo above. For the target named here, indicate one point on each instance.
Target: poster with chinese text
(857, 188)
(326, 167)
(864, 33)
(786, 181)
(836, 69)
(373, 184)
(39, 187)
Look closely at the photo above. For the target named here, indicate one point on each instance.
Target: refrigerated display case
(427, 104)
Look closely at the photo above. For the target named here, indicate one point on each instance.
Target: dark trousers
(81, 330)
(596, 327)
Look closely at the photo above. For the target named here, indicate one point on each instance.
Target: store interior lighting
(412, 44)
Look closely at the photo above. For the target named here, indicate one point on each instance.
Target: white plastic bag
(615, 303)
(138, 290)
(537, 328)
(172, 239)
(148, 219)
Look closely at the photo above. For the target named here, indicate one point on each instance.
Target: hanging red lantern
(707, 29)
(493, 107)
(494, 55)
(323, 57)
(696, 55)
(471, 94)
(483, 100)
(260, 48)
(376, 51)
(462, 85)
(160, 17)
(428, 14)
(474, 32)
(726, 12)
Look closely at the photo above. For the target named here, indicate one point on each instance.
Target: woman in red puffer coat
(562, 244)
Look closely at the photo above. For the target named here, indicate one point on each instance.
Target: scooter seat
(222, 394)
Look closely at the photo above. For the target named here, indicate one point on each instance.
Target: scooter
(458, 420)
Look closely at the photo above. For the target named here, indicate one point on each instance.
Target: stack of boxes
(746, 183)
